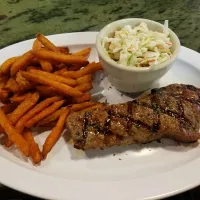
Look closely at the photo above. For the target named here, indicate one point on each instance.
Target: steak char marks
(168, 112)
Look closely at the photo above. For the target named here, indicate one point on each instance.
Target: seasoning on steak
(168, 112)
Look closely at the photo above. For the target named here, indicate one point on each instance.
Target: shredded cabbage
(139, 46)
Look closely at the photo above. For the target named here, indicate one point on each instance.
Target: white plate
(152, 171)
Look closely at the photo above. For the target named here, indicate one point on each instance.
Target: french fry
(55, 134)
(46, 66)
(51, 118)
(98, 105)
(46, 91)
(81, 106)
(84, 79)
(67, 81)
(35, 153)
(59, 57)
(34, 111)
(60, 66)
(35, 62)
(5, 67)
(21, 62)
(37, 44)
(22, 108)
(3, 81)
(64, 50)
(2, 131)
(13, 86)
(71, 74)
(47, 111)
(47, 44)
(89, 69)
(18, 139)
(84, 52)
(8, 108)
(74, 67)
(60, 71)
(84, 98)
(84, 87)
(60, 87)
(33, 67)
(23, 83)
(75, 74)
(4, 95)
(21, 80)
(19, 98)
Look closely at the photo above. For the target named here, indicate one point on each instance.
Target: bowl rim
(112, 63)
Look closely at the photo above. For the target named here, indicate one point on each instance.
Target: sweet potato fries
(41, 88)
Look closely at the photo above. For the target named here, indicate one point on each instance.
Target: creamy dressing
(139, 46)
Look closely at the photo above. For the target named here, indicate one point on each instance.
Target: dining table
(21, 19)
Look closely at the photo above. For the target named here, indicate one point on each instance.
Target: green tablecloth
(22, 19)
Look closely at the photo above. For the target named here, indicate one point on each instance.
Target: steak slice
(168, 112)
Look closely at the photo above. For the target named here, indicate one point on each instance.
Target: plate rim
(51, 187)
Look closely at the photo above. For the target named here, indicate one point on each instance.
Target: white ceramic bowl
(134, 79)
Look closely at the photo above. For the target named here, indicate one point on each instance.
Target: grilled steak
(170, 112)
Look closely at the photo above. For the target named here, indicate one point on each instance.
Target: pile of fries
(41, 88)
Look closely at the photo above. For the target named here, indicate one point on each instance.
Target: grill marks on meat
(81, 143)
(129, 117)
(171, 111)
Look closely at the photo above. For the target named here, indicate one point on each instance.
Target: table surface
(22, 19)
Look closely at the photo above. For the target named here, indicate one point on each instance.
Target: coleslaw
(139, 46)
